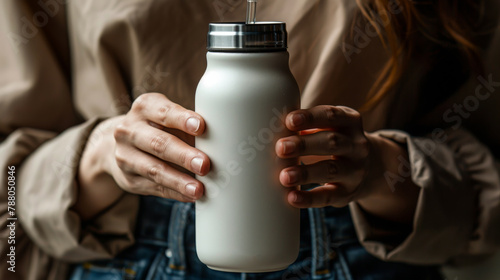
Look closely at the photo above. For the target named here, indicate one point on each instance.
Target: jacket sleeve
(43, 136)
(457, 218)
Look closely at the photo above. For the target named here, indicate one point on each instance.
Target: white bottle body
(244, 222)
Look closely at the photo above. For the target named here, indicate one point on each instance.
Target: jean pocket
(109, 270)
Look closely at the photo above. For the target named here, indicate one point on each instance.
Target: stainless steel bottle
(243, 222)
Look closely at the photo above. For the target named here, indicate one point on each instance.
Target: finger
(322, 196)
(326, 171)
(143, 186)
(165, 177)
(157, 108)
(166, 147)
(137, 184)
(323, 116)
(320, 143)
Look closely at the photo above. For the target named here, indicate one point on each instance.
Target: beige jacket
(65, 65)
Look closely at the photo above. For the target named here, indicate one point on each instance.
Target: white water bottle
(244, 222)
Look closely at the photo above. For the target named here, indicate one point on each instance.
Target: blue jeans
(165, 249)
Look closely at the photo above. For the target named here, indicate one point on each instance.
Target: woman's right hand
(140, 154)
(148, 156)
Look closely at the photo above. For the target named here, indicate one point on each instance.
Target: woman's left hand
(343, 139)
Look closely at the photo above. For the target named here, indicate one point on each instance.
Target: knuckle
(331, 169)
(154, 172)
(331, 113)
(121, 132)
(140, 103)
(159, 144)
(121, 159)
(356, 116)
(332, 142)
(164, 112)
(162, 191)
(353, 114)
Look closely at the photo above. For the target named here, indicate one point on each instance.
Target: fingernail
(288, 147)
(196, 164)
(193, 124)
(297, 198)
(298, 119)
(293, 176)
(191, 189)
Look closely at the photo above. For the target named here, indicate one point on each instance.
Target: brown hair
(449, 23)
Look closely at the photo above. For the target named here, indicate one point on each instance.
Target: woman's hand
(342, 139)
(353, 169)
(148, 154)
(144, 152)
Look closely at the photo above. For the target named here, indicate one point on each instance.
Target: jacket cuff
(47, 189)
(451, 219)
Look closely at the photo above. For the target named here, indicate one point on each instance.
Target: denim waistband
(165, 223)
